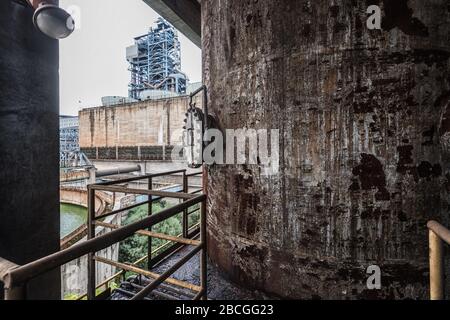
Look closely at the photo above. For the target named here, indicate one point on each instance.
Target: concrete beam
(185, 15)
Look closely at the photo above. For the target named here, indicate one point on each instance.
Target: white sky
(92, 59)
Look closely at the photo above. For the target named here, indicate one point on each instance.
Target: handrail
(437, 234)
(11, 293)
(27, 272)
(439, 230)
(153, 175)
(178, 195)
(134, 264)
(16, 277)
(194, 174)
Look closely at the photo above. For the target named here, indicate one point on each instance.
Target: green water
(72, 217)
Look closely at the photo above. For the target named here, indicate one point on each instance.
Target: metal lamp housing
(53, 21)
(193, 138)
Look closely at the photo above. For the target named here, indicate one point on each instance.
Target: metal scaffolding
(68, 140)
(155, 61)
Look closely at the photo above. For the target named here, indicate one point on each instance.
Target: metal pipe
(91, 285)
(35, 268)
(436, 266)
(114, 171)
(141, 295)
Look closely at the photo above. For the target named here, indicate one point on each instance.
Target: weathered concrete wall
(163, 152)
(74, 274)
(79, 197)
(147, 123)
(362, 116)
(29, 144)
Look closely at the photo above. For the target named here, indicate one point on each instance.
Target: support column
(362, 117)
(29, 143)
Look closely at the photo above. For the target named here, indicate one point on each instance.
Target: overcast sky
(92, 59)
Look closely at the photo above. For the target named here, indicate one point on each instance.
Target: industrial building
(68, 133)
(68, 138)
(133, 131)
(155, 63)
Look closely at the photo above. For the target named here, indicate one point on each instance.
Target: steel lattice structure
(155, 61)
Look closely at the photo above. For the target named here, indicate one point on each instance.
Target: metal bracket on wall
(197, 122)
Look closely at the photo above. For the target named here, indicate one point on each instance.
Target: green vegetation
(136, 247)
(72, 296)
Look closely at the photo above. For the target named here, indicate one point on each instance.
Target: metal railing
(438, 234)
(15, 277)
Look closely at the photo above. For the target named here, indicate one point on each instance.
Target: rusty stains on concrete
(364, 120)
(372, 176)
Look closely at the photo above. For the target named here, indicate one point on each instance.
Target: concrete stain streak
(365, 135)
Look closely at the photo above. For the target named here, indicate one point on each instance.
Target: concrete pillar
(92, 175)
(363, 118)
(29, 144)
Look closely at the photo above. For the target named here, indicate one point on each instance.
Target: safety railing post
(12, 291)
(185, 211)
(91, 234)
(15, 293)
(203, 257)
(150, 212)
(436, 266)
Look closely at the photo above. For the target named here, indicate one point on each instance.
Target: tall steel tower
(155, 62)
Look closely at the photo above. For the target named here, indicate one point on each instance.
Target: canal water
(72, 217)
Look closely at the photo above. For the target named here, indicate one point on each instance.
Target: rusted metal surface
(364, 119)
(437, 235)
(437, 273)
(147, 273)
(135, 263)
(153, 234)
(16, 278)
(11, 292)
(26, 272)
(441, 231)
(165, 276)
